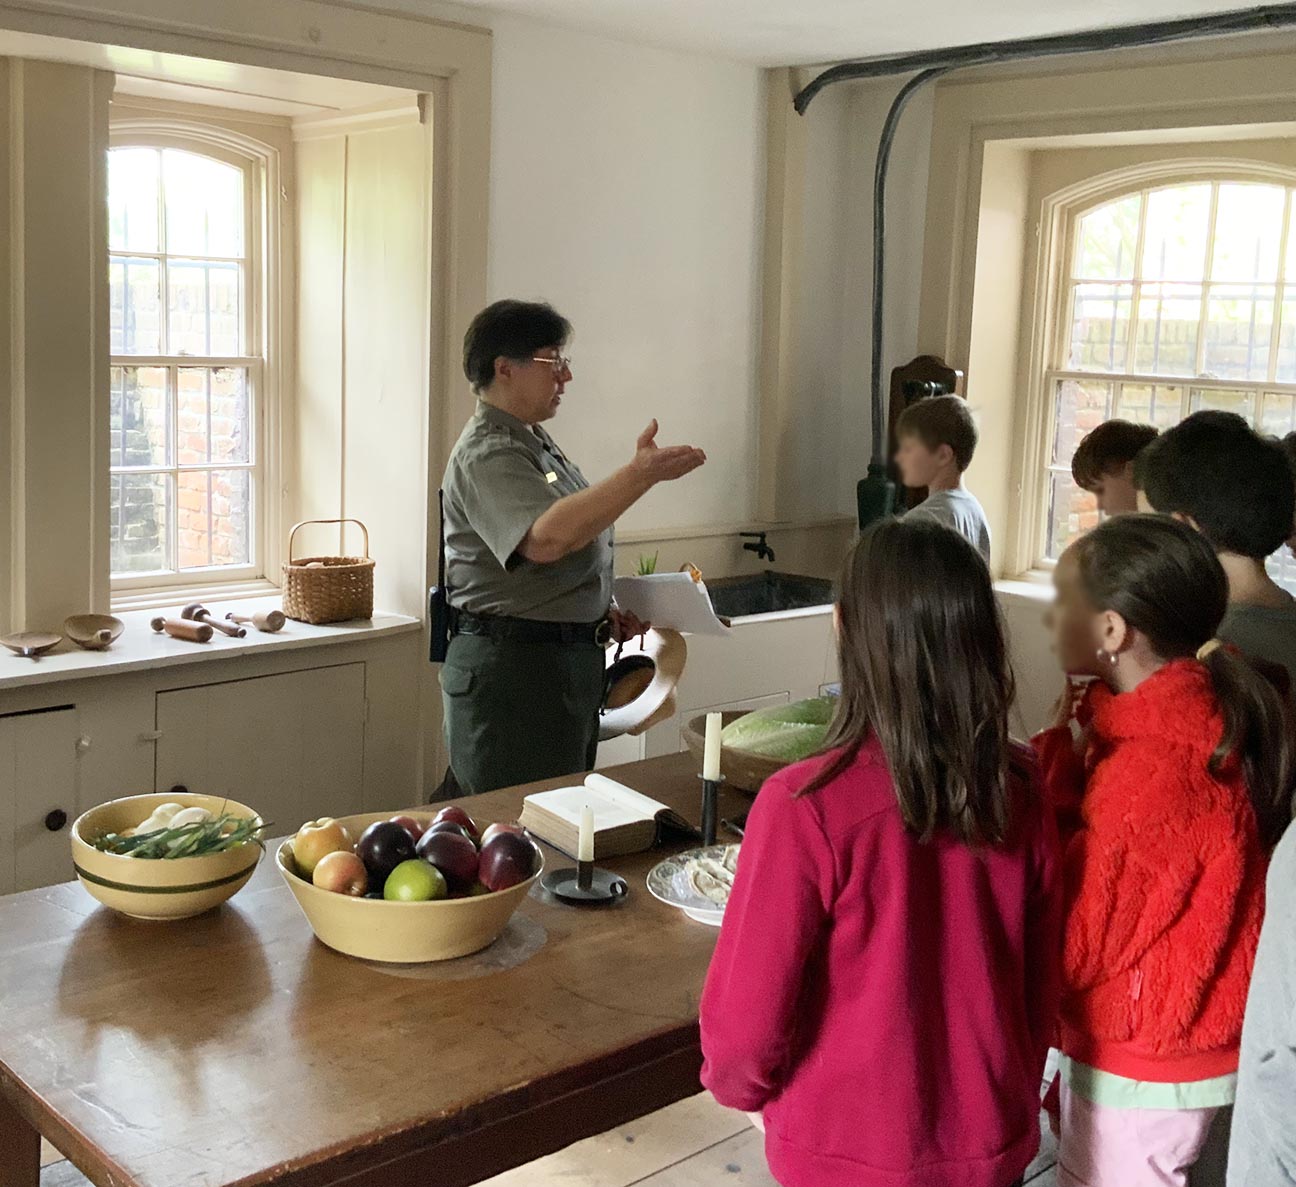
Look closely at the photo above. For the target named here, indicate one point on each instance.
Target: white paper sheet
(671, 600)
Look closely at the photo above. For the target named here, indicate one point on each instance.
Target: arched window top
(175, 202)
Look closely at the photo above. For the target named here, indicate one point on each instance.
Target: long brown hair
(925, 670)
(1164, 579)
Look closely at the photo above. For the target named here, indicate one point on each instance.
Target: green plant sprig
(205, 837)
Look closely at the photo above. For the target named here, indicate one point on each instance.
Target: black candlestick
(710, 796)
(586, 885)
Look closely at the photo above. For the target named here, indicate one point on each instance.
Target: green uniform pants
(519, 712)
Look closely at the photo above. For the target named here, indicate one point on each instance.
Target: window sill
(141, 649)
(1034, 586)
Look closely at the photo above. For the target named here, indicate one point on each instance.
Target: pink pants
(1105, 1147)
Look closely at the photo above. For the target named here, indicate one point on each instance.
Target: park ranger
(529, 561)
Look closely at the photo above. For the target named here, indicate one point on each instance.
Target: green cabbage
(786, 732)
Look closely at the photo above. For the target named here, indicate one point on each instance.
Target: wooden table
(236, 1049)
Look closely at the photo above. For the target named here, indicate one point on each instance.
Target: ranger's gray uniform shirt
(502, 476)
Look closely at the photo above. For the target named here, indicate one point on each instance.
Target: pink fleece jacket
(887, 1004)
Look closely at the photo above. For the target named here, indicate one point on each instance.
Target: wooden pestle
(179, 628)
(268, 621)
(199, 613)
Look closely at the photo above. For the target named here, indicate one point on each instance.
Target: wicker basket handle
(307, 522)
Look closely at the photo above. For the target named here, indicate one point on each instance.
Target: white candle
(585, 850)
(711, 754)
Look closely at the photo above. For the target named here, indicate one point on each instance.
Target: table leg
(19, 1148)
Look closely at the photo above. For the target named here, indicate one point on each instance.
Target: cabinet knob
(179, 789)
(56, 821)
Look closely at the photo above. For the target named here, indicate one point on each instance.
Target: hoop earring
(1112, 657)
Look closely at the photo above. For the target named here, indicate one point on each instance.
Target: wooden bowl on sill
(94, 632)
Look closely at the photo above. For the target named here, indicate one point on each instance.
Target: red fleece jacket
(1165, 882)
(887, 1004)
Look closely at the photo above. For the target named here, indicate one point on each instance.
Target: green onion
(219, 835)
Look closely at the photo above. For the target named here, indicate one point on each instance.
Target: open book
(625, 821)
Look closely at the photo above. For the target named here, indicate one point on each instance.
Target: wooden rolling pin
(269, 621)
(179, 628)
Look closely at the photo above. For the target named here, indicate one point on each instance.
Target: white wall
(626, 188)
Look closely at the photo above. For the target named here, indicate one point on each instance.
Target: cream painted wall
(625, 188)
(363, 350)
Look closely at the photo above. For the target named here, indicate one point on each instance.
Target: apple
(454, 855)
(494, 830)
(410, 825)
(414, 881)
(457, 815)
(449, 826)
(315, 840)
(510, 858)
(382, 847)
(342, 872)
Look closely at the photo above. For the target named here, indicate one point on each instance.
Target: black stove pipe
(876, 496)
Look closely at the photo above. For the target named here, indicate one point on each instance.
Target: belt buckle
(603, 632)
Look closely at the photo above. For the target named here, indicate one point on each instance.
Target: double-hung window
(187, 364)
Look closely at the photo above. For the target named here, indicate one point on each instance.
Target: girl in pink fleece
(886, 980)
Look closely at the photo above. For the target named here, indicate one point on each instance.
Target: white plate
(669, 882)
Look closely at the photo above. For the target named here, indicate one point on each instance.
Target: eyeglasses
(559, 363)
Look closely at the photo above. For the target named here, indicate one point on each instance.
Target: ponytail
(1257, 733)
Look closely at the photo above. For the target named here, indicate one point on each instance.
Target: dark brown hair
(512, 330)
(925, 670)
(1108, 448)
(1165, 581)
(941, 420)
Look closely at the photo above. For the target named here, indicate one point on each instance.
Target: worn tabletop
(234, 1048)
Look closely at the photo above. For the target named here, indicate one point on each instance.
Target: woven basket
(319, 589)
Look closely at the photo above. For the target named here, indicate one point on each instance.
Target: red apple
(448, 826)
(453, 854)
(411, 826)
(341, 872)
(456, 815)
(493, 830)
(315, 840)
(510, 858)
(382, 847)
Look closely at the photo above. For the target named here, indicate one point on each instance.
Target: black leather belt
(528, 630)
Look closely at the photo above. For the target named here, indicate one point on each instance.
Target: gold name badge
(551, 477)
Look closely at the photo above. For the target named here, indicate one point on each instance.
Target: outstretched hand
(656, 463)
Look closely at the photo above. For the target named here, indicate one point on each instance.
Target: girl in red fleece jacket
(1170, 792)
(885, 984)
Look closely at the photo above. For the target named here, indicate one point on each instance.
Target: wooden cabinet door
(38, 791)
(290, 746)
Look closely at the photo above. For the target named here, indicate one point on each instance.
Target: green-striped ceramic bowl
(159, 888)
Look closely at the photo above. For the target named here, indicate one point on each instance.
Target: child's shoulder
(861, 787)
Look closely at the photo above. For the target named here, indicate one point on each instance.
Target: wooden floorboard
(736, 1162)
(634, 1152)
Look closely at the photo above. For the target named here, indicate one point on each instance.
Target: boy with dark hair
(936, 439)
(1103, 464)
(1215, 472)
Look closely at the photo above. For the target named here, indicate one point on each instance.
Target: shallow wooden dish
(744, 771)
(401, 933)
(159, 888)
(94, 632)
(31, 644)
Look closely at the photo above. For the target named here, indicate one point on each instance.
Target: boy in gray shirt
(936, 439)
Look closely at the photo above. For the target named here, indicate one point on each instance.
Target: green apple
(415, 881)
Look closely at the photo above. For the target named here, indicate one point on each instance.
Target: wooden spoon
(31, 644)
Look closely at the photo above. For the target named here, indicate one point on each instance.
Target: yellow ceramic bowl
(401, 933)
(158, 888)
